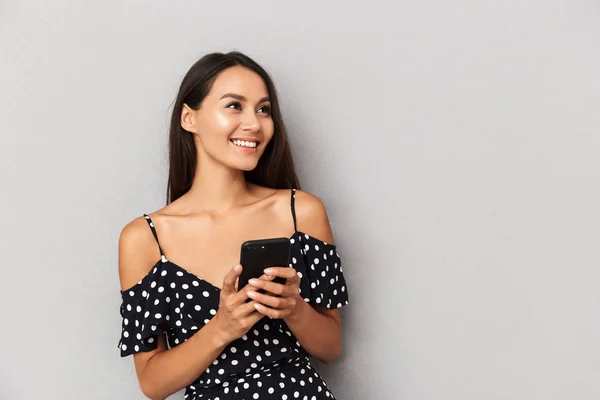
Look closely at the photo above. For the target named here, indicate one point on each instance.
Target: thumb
(230, 279)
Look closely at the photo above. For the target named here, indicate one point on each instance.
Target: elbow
(332, 355)
(150, 391)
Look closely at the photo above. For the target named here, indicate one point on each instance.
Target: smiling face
(233, 124)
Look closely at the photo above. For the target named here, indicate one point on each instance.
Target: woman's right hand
(235, 316)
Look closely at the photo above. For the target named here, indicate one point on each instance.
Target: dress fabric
(266, 363)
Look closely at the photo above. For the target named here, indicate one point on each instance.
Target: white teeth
(244, 143)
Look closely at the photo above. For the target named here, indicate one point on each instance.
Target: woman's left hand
(285, 306)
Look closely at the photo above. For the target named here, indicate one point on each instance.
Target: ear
(187, 120)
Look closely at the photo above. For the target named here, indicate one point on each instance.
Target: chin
(244, 166)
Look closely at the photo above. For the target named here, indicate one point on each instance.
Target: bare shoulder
(137, 252)
(311, 216)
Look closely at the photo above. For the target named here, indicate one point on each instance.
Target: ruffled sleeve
(145, 313)
(322, 280)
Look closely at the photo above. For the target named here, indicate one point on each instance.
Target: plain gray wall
(455, 144)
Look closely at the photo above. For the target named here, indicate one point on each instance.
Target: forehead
(239, 80)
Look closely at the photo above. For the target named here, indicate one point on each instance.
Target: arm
(317, 328)
(307, 320)
(162, 372)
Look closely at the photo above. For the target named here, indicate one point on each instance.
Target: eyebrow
(243, 98)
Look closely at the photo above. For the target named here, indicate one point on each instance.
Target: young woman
(231, 179)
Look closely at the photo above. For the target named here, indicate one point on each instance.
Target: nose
(250, 122)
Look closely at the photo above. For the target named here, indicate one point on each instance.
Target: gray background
(455, 144)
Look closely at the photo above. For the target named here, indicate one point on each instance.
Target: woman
(231, 179)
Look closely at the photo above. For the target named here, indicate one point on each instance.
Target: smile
(244, 143)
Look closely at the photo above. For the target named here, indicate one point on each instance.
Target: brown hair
(275, 169)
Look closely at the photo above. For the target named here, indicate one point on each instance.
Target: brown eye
(266, 109)
(234, 106)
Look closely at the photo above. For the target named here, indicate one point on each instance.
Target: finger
(269, 312)
(283, 272)
(273, 287)
(242, 295)
(271, 301)
(245, 310)
(230, 279)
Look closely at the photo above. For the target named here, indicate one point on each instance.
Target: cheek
(223, 123)
(267, 127)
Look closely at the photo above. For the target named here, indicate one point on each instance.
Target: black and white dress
(266, 363)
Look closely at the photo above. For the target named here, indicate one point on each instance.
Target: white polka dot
(153, 285)
(213, 312)
(179, 273)
(205, 293)
(126, 334)
(185, 286)
(221, 371)
(157, 315)
(195, 283)
(190, 296)
(124, 347)
(197, 307)
(255, 395)
(163, 273)
(172, 285)
(161, 289)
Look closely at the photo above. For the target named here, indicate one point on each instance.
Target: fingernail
(253, 282)
(251, 294)
(257, 306)
(237, 268)
(268, 271)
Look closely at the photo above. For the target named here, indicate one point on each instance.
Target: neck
(217, 187)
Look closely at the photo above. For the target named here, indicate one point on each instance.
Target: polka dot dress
(266, 363)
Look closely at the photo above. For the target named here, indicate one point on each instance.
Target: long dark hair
(275, 168)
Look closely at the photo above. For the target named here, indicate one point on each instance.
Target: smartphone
(256, 255)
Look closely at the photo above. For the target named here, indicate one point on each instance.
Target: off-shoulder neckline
(164, 260)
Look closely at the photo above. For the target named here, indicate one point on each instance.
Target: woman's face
(233, 124)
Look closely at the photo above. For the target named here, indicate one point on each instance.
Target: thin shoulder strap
(293, 204)
(149, 221)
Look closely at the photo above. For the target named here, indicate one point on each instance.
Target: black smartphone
(256, 255)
